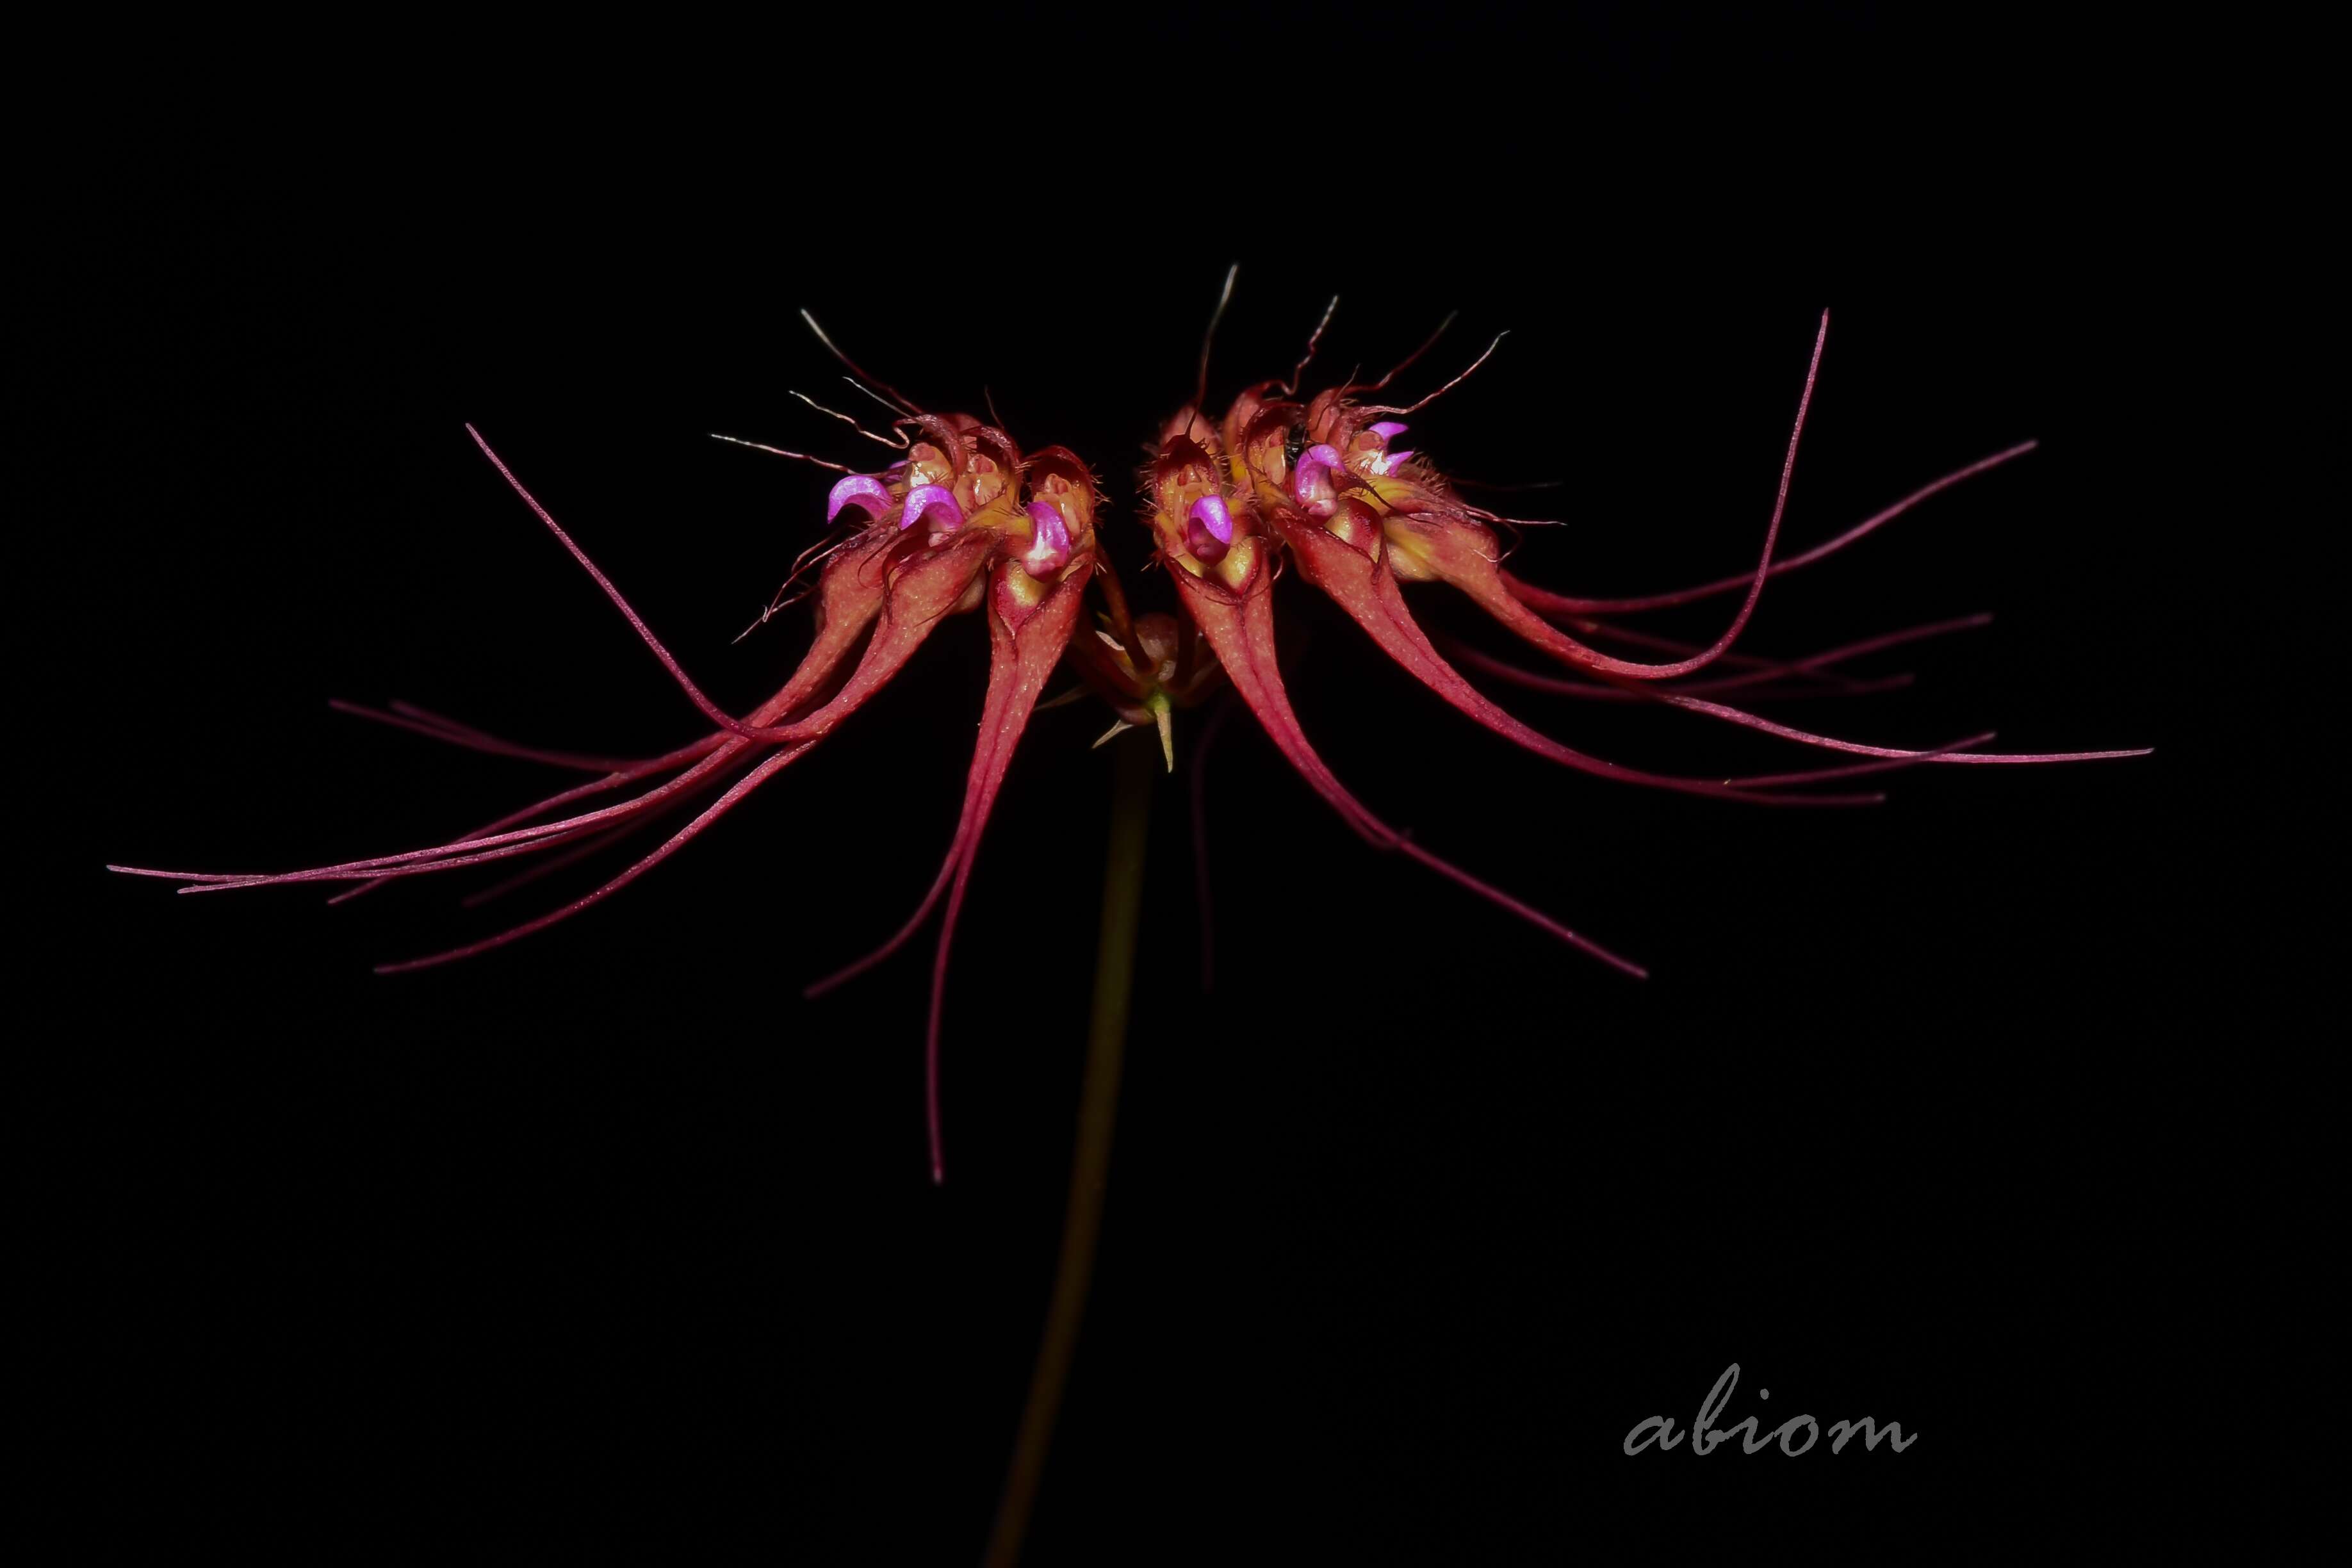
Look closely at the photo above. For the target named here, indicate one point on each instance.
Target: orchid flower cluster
(963, 522)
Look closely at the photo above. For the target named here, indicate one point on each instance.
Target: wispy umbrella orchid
(961, 522)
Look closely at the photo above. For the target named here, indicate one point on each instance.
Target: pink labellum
(1209, 530)
(864, 491)
(1049, 543)
(1387, 461)
(934, 506)
(1310, 479)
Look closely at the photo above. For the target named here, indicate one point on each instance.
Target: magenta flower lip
(1209, 529)
(934, 505)
(1049, 550)
(1311, 480)
(864, 491)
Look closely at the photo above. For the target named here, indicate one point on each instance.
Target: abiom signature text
(1704, 1438)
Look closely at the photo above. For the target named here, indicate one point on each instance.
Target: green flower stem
(1133, 775)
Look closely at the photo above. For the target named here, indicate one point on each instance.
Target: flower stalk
(1132, 777)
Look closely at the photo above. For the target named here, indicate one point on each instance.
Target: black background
(1971, 1111)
